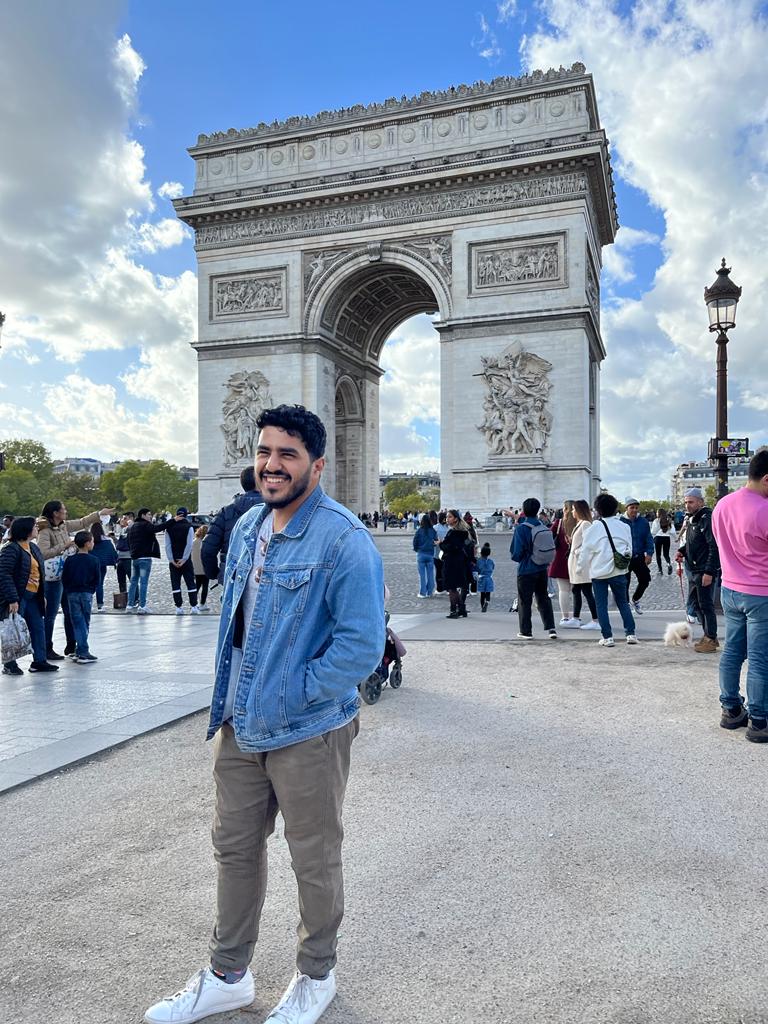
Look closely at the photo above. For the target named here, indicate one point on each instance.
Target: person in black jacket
(144, 547)
(458, 552)
(702, 559)
(22, 589)
(179, 537)
(216, 542)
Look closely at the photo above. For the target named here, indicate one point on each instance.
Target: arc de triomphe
(486, 204)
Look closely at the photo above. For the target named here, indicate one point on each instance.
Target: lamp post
(722, 299)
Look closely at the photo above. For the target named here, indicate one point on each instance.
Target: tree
(80, 492)
(113, 482)
(710, 495)
(22, 493)
(412, 502)
(160, 487)
(399, 489)
(28, 454)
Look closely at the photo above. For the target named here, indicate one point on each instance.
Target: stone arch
(349, 419)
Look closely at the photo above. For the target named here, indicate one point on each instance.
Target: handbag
(620, 561)
(54, 568)
(15, 640)
(120, 601)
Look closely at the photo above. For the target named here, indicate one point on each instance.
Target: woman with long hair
(581, 584)
(201, 579)
(562, 528)
(55, 543)
(663, 533)
(424, 541)
(458, 553)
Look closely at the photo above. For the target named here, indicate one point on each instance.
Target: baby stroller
(389, 671)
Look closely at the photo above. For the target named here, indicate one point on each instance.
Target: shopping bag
(15, 640)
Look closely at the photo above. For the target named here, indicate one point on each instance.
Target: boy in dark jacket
(80, 577)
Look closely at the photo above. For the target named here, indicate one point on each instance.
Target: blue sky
(102, 99)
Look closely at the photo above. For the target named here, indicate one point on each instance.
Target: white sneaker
(632, 639)
(524, 636)
(422, 597)
(179, 611)
(194, 611)
(591, 625)
(131, 609)
(304, 1001)
(692, 619)
(203, 995)
(606, 642)
(571, 623)
(638, 609)
(203, 607)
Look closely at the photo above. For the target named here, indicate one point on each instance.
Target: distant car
(200, 519)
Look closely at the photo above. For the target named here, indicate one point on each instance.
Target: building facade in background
(704, 474)
(487, 205)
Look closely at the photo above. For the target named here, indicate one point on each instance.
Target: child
(80, 577)
(485, 567)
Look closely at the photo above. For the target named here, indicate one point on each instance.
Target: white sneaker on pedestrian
(203, 995)
(421, 596)
(632, 639)
(591, 625)
(524, 636)
(304, 1001)
(571, 623)
(606, 641)
(638, 609)
(692, 619)
(179, 611)
(194, 611)
(131, 609)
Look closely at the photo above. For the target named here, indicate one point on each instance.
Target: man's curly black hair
(298, 422)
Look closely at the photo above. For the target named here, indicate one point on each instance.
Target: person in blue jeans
(80, 578)
(22, 590)
(105, 551)
(424, 541)
(605, 540)
(142, 541)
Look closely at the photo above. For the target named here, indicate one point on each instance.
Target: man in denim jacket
(302, 622)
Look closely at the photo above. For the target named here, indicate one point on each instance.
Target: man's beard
(296, 490)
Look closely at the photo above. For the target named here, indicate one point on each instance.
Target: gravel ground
(402, 578)
(532, 838)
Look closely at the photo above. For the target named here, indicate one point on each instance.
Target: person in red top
(740, 526)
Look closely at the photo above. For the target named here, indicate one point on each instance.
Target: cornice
(425, 102)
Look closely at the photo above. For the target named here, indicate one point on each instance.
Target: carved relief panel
(248, 296)
(521, 263)
(248, 394)
(517, 419)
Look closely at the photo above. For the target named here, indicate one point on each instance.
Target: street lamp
(722, 299)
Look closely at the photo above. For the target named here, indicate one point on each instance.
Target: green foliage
(159, 487)
(710, 495)
(21, 492)
(399, 489)
(113, 483)
(432, 495)
(28, 454)
(80, 492)
(411, 502)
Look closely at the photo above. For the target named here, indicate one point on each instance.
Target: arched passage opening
(356, 309)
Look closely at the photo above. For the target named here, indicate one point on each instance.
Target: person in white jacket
(581, 582)
(596, 560)
(664, 535)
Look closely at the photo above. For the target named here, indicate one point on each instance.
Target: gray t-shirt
(249, 603)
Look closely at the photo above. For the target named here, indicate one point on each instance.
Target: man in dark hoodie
(179, 535)
(216, 542)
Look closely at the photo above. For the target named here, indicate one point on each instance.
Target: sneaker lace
(186, 999)
(300, 1000)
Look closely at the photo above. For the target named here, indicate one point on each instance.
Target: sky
(99, 101)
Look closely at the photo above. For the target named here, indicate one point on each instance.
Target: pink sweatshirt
(740, 526)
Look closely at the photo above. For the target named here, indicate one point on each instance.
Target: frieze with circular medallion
(215, 167)
(308, 152)
(277, 157)
(517, 115)
(408, 135)
(443, 128)
(246, 163)
(480, 122)
(557, 109)
(341, 146)
(374, 141)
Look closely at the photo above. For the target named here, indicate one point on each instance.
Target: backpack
(543, 549)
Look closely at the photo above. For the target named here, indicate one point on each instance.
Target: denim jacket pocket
(291, 591)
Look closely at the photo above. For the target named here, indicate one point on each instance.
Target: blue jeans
(426, 564)
(55, 598)
(80, 610)
(619, 588)
(746, 637)
(30, 612)
(140, 570)
(100, 587)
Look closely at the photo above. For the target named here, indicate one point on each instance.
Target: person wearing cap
(179, 538)
(642, 550)
(702, 560)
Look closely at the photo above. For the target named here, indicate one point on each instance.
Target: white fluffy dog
(678, 634)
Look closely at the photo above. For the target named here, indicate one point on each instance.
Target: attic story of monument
(487, 205)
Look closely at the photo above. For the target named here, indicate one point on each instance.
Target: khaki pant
(306, 783)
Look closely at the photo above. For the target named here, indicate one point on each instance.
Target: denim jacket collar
(296, 526)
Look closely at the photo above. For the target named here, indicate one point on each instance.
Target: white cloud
(171, 190)
(617, 263)
(487, 45)
(506, 10)
(75, 209)
(682, 95)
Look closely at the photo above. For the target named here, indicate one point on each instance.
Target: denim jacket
(317, 628)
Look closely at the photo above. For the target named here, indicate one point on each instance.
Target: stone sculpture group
(517, 420)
